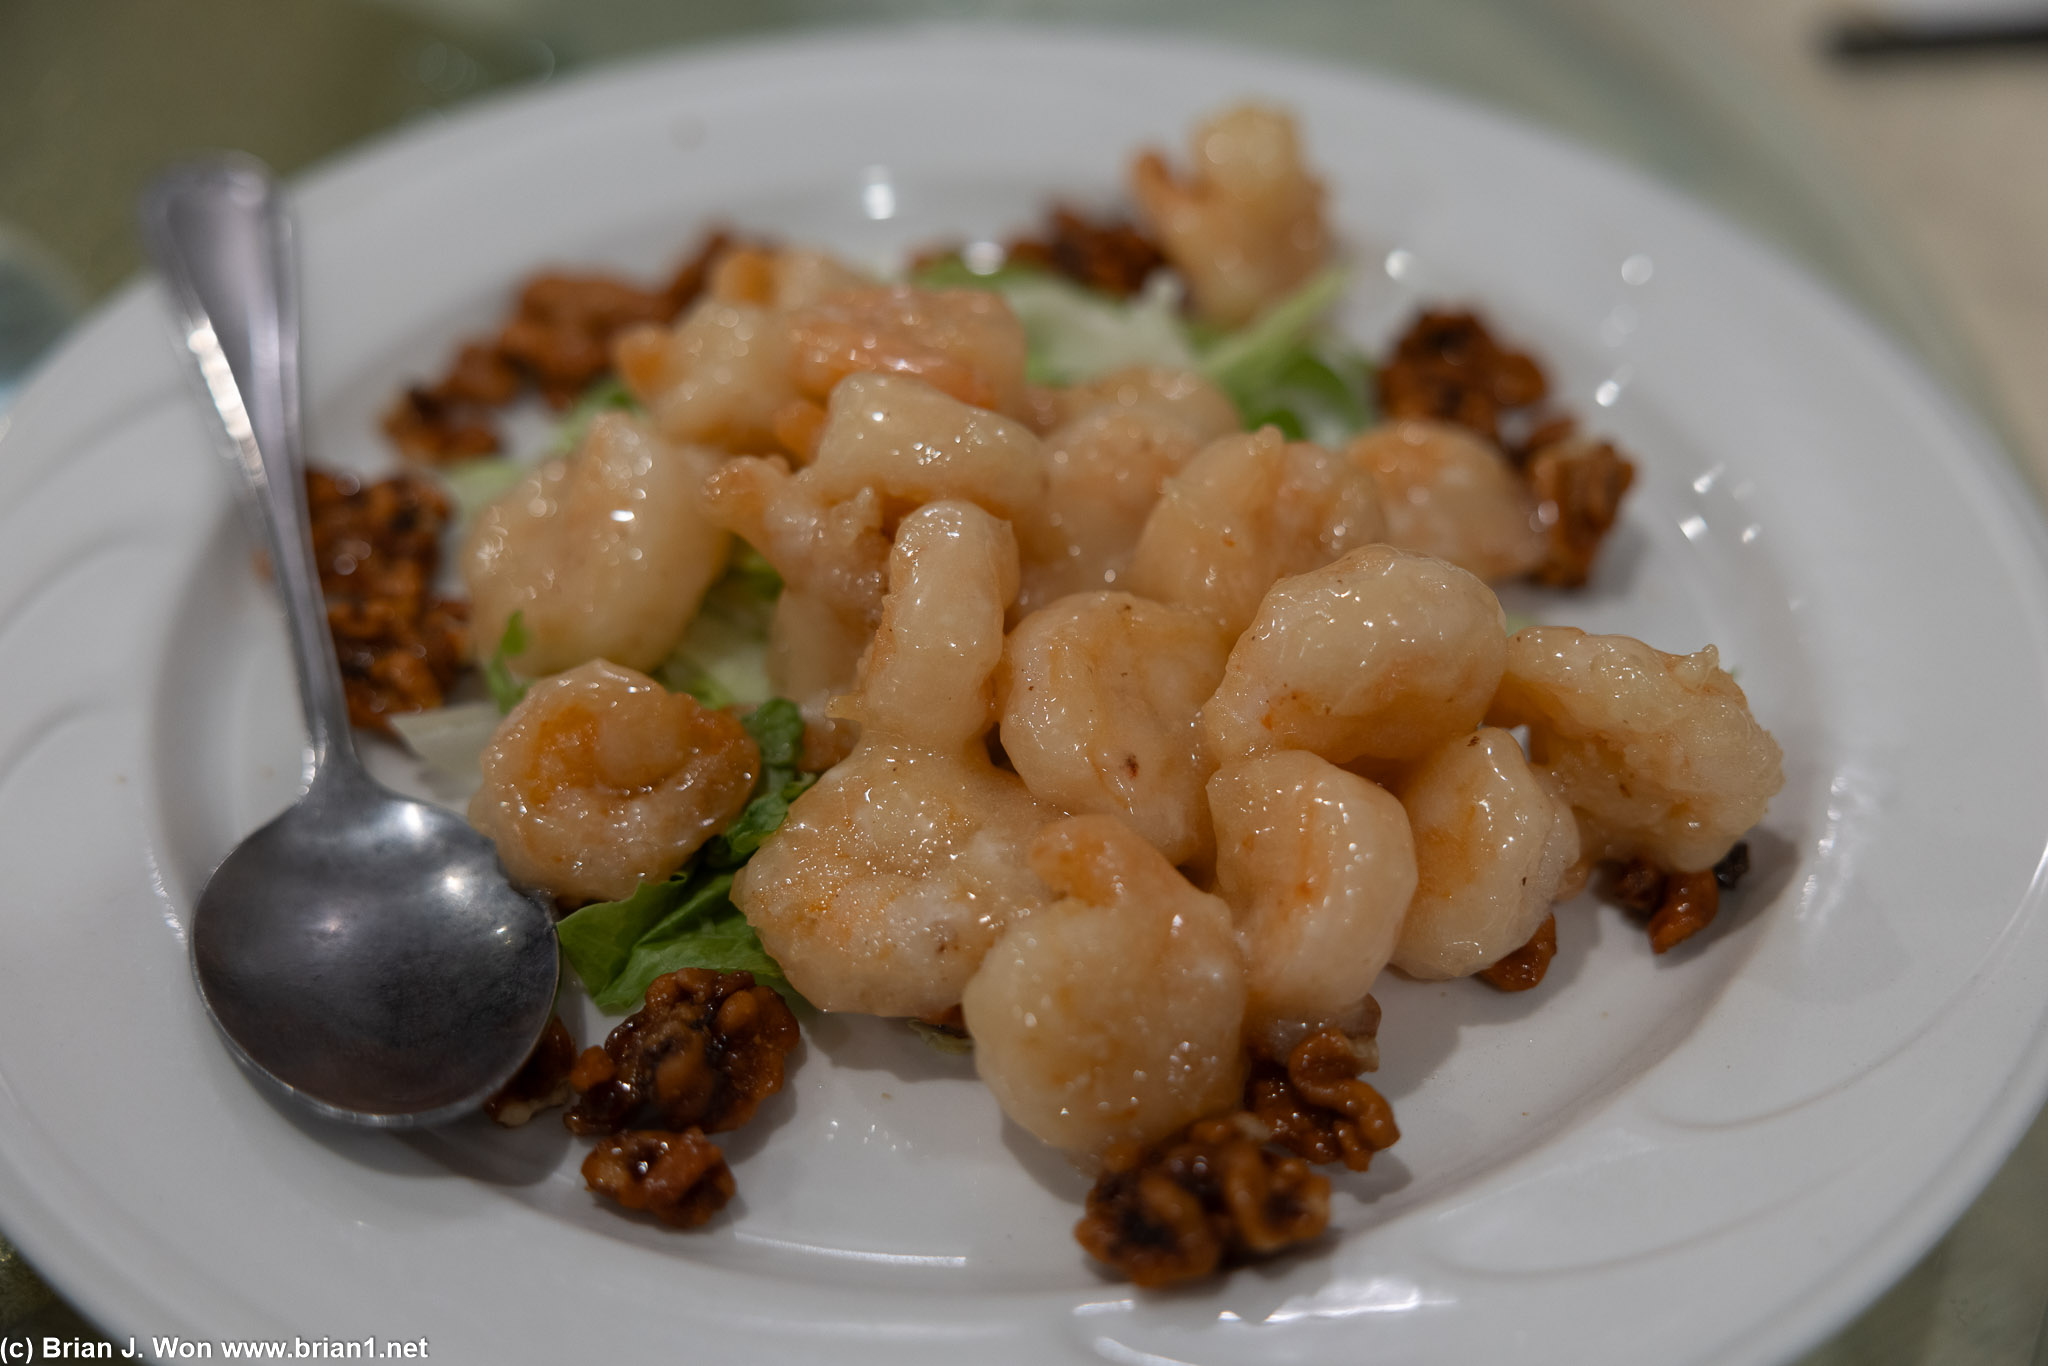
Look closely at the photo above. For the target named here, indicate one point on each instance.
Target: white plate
(1712, 1157)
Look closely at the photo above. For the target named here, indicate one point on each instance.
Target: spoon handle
(219, 234)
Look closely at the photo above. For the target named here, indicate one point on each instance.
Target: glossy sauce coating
(601, 777)
(1491, 846)
(1114, 1015)
(605, 553)
(1382, 655)
(1318, 866)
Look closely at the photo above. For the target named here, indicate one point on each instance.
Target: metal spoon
(363, 951)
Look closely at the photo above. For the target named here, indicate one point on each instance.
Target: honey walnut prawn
(1052, 649)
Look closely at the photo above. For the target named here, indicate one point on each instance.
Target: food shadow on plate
(485, 1151)
(742, 1143)
(865, 1043)
(389, 1152)
(1773, 863)
(1622, 556)
(1423, 1019)
(1053, 1170)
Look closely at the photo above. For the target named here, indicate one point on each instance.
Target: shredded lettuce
(688, 920)
(474, 485)
(950, 272)
(1286, 369)
(1256, 348)
(506, 687)
(1073, 333)
(450, 740)
(940, 1039)
(722, 660)
(606, 395)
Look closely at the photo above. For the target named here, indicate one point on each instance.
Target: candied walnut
(542, 1083)
(1316, 1107)
(1638, 887)
(377, 547)
(1105, 254)
(562, 330)
(1677, 905)
(1211, 1195)
(1734, 867)
(679, 1178)
(1448, 366)
(435, 431)
(558, 338)
(1524, 968)
(704, 1052)
(1690, 902)
(1578, 485)
(1360, 1024)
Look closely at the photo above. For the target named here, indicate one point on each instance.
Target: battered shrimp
(835, 552)
(813, 649)
(1105, 464)
(1318, 866)
(1450, 494)
(1100, 693)
(1248, 511)
(889, 879)
(1657, 754)
(889, 444)
(720, 377)
(1380, 656)
(782, 277)
(1115, 1014)
(601, 778)
(1247, 225)
(914, 444)
(965, 342)
(1189, 399)
(1492, 847)
(606, 554)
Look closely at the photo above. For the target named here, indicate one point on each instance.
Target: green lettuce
(607, 395)
(689, 920)
(474, 485)
(1286, 369)
(506, 687)
(1073, 333)
(722, 659)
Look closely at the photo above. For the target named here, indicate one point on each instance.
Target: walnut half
(1211, 1195)
(1315, 1106)
(679, 1178)
(704, 1052)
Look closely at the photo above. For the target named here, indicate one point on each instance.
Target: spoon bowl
(363, 953)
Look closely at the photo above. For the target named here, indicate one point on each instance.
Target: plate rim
(1855, 1280)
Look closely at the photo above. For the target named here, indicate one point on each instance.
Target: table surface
(1916, 186)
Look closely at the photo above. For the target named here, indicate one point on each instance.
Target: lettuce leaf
(689, 920)
(599, 939)
(1286, 369)
(474, 485)
(722, 659)
(778, 728)
(1073, 333)
(450, 740)
(506, 687)
(606, 395)
(705, 930)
